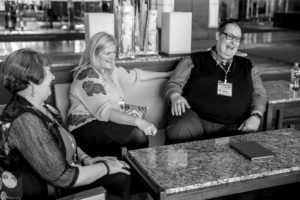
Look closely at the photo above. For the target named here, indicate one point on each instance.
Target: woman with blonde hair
(96, 116)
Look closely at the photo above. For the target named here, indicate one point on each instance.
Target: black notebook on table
(252, 150)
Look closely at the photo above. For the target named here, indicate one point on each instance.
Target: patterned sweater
(93, 95)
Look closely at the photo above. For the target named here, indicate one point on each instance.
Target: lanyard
(74, 147)
(75, 156)
(226, 71)
(218, 61)
(112, 83)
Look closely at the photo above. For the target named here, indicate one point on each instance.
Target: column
(247, 9)
(70, 6)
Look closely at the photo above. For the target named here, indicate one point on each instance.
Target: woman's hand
(119, 117)
(92, 161)
(179, 104)
(116, 166)
(147, 127)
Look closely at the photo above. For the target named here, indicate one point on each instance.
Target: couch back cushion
(2, 106)
(61, 97)
(150, 94)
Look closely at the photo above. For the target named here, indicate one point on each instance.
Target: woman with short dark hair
(36, 146)
(24, 67)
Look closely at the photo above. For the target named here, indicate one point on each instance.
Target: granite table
(210, 168)
(280, 96)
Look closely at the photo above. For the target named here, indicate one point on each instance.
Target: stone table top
(212, 163)
(279, 91)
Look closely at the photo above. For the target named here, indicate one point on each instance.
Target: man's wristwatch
(259, 116)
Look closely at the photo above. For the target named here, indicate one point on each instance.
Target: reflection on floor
(50, 47)
(250, 41)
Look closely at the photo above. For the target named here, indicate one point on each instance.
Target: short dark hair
(223, 25)
(21, 67)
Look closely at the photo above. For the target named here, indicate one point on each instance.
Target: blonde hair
(97, 43)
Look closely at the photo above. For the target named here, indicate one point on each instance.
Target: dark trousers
(190, 127)
(98, 138)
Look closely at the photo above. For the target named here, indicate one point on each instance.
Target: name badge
(224, 89)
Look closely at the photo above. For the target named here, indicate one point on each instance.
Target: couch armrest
(2, 106)
(98, 193)
(61, 96)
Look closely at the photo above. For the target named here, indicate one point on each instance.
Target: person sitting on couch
(97, 116)
(36, 150)
(215, 93)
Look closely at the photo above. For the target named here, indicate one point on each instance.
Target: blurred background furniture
(281, 98)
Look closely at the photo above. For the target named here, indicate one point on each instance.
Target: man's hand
(250, 125)
(179, 104)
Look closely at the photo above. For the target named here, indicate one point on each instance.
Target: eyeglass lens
(232, 37)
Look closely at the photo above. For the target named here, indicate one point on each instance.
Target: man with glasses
(215, 93)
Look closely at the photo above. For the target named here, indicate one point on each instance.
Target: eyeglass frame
(231, 37)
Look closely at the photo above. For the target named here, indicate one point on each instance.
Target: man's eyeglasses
(231, 37)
